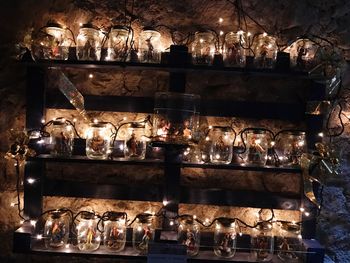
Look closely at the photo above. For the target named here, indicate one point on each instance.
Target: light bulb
(221, 20)
(91, 76)
(31, 180)
(33, 222)
(39, 237)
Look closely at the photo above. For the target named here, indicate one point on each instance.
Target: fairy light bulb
(39, 237)
(264, 34)
(171, 223)
(302, 209)
(165, 202)
(307, 213)
(221, 32)
(91, 76)
(33, 222)
(95, 121)
(12, 204)
(221, 20)
(320, 134)
(272, 143)
(42, 121)
(31, 180)
(80, 24)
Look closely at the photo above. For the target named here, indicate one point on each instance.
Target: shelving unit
(38, 100)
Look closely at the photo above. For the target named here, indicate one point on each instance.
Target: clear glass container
(262, 242)
(150, 46)
(135, 143)
(222, 139)
(88, 43)
(289, 146)
(51, 42)
(119, 44)
(143, 232)
(203, 48)
(115, 230)
(98, 141)
(56, 230)
(225, 237)
(234, 54)
(302, 54)
(265, 51)
(175, 117)
(189, 234)
(61, 139)
(289, 245)
(192, 154)
(88, 236)
(256, 144)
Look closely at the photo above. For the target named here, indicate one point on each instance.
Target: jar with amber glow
(119, 43)
(203, 48)
(256, 146)
(222, 139)
(88, 43)
(189, 234)
(150, 46)
(88, 236)
(135, 141)
(262, 242)
(225, 237)
(98, 141)
(143, 232)
(61, 139)
(56, 230)
(114, 230)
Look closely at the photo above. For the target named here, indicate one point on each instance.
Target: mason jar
(222, 139)
(61, 139)
(135, 142)
(225, 237)
(234, 54)
(256, 147)
(88, 236)
(189, 234)
(289, 146)
(119, 43)
(289, 242)
(265, 51)
(203, 48)
(98, 141)
(262, 242)
(88, 43)
(143, 232)
(115, 230)
(303, 54)
(150, 46)
(56, 229)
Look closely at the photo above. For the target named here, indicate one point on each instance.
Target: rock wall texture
(288, 19)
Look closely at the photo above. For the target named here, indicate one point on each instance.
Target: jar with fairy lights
(114, 230)
(265, 51)
(88, 43)
(135, 142)
(303, 53)
(289, 146)
(189, 234)
(203, 48)
(262, 241)
(234, 54)
(150, 45)
(225, 237)
(98, 140)
(119, 43)
(222, 140)
(256, 146)
(56, 229)
(289, 245)
(143, 232)
(61, 138)
(88, 236)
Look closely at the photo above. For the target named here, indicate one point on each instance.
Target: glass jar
(265, 51)
(61, 139)
(97, 141)
(225, 237)
(222, 139)
(175, 117)
(234, 54)
(115, 230)
(289, 243)
(56, 230)
(119, 43)
(289, 146)
(203, 48)
(302, 54)
(135, 142)
(262, 242)
(88, 43)
(51, 42)
(256, 147)
(189, 234)
(88, 236)
(143, 232)
(150, 46)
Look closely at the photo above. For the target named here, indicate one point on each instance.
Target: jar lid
(187, 219)
(98, 124)
(114, 216)
(57, 214)
(296, 133)
(89, 25)
(149, 28)
(87, 215)
(257, 131)
(290, 226)
(225, 221)
(53, 24)
(144, 217)
(137, 125)
(222, 128)
(121, 27)
(262, 225)
(58, 122)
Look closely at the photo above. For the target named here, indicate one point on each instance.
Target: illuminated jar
(265, 51)
(135, 142)
(61, 139)
(302, 54)
(290, 145)
(289, 245)
(203, 48)
(222, 139)
(115, 230)
(88, 236)
(256, 144)
(56, 230)
(262, 242)
(225, 237)
(88, 43)
(97, 141)
(143, 232)
(189, 234)
(150, 45)
(175, 117)
(234, 54)
(119, 43)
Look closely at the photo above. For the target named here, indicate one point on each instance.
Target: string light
(307, 214)
(42, 121)
(171, 223)
(221, 20)
(321, 134)
(302, 209)
(91, 76)
(12, 204)
(33, 222)
(165, 202)
(221, 32)
(39, 237)
(80, 24)
(31, 180)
